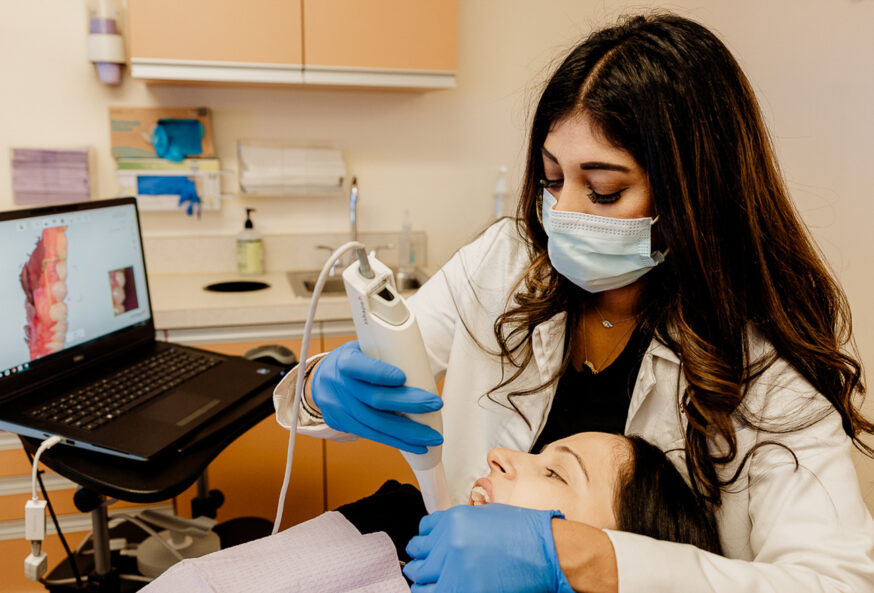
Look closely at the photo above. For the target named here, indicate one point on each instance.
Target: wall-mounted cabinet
(259, 41)
(378, 43)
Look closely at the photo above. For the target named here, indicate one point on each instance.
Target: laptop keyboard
(105, 400)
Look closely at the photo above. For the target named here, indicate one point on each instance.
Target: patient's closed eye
(551, 473)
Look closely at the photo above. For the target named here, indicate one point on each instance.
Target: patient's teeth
(479, 495)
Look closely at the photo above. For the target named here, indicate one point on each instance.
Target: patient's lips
(481, 493)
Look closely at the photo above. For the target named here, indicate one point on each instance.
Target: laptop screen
(68, 277)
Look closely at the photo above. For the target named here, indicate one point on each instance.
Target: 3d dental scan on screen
(642, 380)
(73, 289)
(79, 356)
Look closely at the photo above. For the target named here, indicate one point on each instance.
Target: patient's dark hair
(653, 499)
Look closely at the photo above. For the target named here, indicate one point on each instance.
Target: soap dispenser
(250, 250)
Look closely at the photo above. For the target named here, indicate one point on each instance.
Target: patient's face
(576, 475)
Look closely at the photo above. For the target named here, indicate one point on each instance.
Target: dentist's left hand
(494, 547)
(364, 396)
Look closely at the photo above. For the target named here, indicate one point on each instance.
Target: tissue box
(130, 129)
(274, 168)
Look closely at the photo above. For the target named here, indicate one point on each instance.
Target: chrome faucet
(353, 210)
(353, 228)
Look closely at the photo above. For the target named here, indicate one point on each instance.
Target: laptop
(78, 353)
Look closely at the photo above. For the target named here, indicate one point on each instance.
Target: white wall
(437, 153)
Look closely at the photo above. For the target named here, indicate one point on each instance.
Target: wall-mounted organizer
(273, 168)
(43, 176)
(144, 178)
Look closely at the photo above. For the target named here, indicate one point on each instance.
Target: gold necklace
(588, 362)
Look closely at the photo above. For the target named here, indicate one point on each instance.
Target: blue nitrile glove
(174, 139)
(174, 185)
(493, 547)
(190, 196)
(361, 395)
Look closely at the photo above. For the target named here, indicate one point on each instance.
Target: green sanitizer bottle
(250, 249)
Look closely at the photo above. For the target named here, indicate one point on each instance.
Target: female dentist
(656, 282)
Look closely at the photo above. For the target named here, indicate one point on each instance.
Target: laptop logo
(79, 358)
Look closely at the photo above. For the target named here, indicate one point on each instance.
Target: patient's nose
(503, 462)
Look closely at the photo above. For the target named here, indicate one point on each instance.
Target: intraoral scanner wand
(387, 330)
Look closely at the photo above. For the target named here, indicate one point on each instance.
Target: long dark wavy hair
(653, 499)
(665, 89)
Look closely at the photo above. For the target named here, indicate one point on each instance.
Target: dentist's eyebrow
(589, 165)
(599, 166)
(566, 449)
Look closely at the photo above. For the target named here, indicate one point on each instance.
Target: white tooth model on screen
(387, 330)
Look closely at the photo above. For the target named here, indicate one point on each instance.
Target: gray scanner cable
(304, 351)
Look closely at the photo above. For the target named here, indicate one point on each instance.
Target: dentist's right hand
(363, 396)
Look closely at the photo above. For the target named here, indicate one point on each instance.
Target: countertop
(180, 301)
(180, 267)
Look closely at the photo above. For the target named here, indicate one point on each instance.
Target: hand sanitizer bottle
(250, 250)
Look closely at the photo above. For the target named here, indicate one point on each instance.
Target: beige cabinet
(382, 43)
(386, 42)
(216, 40)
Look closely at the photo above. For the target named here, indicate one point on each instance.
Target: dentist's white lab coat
(783, 529)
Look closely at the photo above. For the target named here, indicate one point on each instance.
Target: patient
(606, 480)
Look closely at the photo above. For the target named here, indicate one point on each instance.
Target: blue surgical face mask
(595, 252)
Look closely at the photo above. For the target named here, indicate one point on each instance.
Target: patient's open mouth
(481, 493)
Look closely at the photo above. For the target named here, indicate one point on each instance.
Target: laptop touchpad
(181, 410)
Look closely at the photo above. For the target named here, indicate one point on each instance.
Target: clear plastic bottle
(406, 252)
(501, 193)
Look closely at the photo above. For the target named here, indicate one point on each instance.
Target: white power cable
(44, 446)
(304, 350)
(135, 577)
(145, 527)
(36, 563)
(114, 521)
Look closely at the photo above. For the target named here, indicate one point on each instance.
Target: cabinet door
(249, 471)
(216, 40)
(403, 38)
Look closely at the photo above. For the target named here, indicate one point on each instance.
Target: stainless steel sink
(304, 282)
